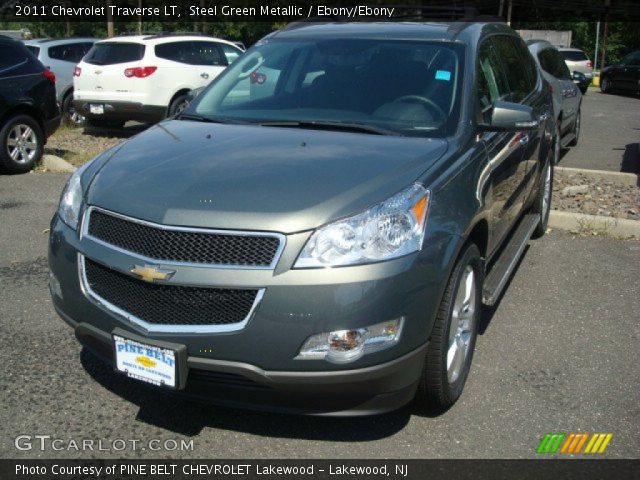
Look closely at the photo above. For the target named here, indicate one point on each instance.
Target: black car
(623, 76)
(29, 113)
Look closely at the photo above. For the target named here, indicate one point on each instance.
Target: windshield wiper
(321, 125)
(203, 118)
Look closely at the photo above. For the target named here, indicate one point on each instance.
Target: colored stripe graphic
(573, 443)
(550, 443)
(598, 443)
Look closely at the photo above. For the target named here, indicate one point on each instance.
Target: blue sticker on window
(443, 75)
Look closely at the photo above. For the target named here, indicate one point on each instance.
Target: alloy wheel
(22, 143)
(461, 326)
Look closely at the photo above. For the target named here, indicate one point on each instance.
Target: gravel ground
(79, 145)
(582, 194)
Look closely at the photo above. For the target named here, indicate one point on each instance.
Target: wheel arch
(24, 109)
(182, 91)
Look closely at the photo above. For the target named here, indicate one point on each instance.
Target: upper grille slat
(182, 245)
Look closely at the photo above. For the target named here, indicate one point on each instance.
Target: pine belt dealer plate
(148, 363)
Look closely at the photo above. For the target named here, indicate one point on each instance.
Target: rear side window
(230, 52)
(70, 52)
(174, 51)
(208, 53)
(520, 67)
(33, 49)
(552, 63)
(574, 55)
(16, 60)
(114, 53)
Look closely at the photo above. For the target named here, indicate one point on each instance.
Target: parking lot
(558, 354)
(610, 134)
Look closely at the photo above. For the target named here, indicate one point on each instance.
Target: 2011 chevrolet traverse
(318, 230)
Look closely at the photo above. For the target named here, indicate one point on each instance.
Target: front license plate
(148, 363)
(96, 109)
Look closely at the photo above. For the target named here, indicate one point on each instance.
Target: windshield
(397, 87)
(574, 55)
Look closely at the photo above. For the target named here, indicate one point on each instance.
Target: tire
(577, 124)
(584, 90)
(606, 85)
(542, 203)
(178, 104)
(103, 123)
(440, 386)
(21, 144)
(71, 116)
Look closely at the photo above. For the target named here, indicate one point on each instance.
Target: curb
(57, 164)
(619, 227)
(618, 177)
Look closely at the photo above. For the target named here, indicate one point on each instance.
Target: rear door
(209, 59)
(102, 75)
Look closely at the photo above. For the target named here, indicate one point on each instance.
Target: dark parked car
(623, 76)
(318, 231)
(29, 113)
(567, 98)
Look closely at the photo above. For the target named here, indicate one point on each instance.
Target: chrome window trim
(84, 232)
(164, 328)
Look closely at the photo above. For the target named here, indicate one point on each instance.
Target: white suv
(147, 77)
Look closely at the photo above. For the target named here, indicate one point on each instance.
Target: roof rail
(175, 34)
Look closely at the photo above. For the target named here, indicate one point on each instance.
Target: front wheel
(606, 85)
(542, 204)
(453, 339)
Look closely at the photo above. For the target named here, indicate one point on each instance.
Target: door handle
(204, 75)
(524, 139)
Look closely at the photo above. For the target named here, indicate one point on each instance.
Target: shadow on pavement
(631, 159)
(190, 418)
(127, 131)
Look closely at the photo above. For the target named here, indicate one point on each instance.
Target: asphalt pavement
(558, 354)
(610, 137)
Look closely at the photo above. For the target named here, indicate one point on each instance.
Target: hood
(249, 177)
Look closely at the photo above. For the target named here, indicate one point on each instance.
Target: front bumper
(121, 111)
(255, 367)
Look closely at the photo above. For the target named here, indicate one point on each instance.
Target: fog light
(342, 346)
(54, 286)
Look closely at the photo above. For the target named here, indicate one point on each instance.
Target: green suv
(319, 230)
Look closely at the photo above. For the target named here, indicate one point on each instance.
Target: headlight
(342, 346)
(388, 230)
(71, 200)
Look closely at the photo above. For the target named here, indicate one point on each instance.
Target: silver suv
(61, 56)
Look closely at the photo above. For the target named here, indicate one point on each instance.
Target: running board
(496, 279)
(567, 139)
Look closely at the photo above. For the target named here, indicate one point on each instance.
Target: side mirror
(509, 117)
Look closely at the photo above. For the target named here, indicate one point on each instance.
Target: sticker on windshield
(443, 75)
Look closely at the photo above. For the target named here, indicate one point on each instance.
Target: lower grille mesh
(169, 304)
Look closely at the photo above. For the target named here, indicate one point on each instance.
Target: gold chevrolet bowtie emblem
(149, 273)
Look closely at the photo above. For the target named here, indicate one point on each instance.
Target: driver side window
(491, 81)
